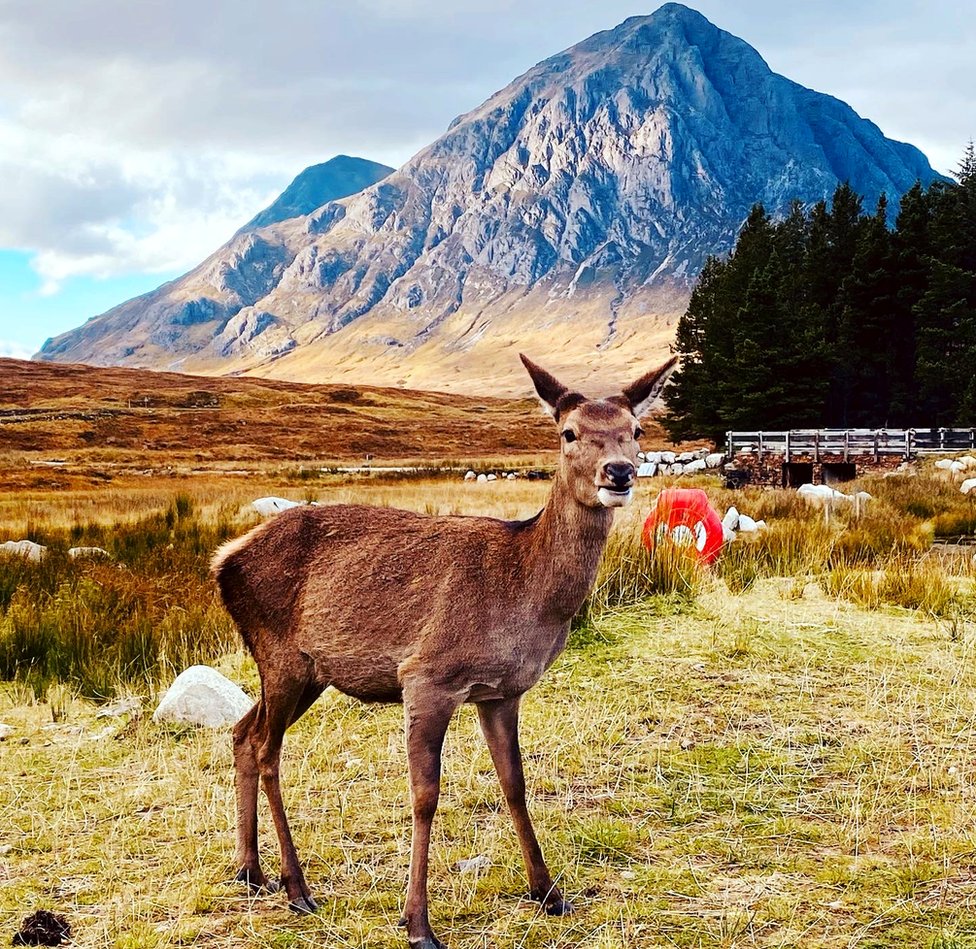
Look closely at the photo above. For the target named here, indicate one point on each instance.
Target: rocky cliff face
(567, 215)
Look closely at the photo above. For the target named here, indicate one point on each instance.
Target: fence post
(847, 444)
(877, 446)
(787, 446)
(942, 438)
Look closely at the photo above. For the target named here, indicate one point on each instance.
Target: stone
(75, 552)
(746, 524)
(482, 478)
(654, 457)
(820, 494)
(492, 477)
(697, 465)
(968, 460)
(202, 696)
(511, 476)
(647, 470)
(685, 457)
(668, 457)
(472, 865)
(5, 731)
(714, 460)
(944, 463)
(731, 519)
(24, 548)
(470, 476)
(968, 485)
(271, 505)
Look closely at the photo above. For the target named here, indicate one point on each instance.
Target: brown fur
(391, 606)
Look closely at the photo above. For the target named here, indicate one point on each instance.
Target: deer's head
(598, 454)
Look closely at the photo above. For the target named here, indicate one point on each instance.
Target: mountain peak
(569, 213)
(331, 180)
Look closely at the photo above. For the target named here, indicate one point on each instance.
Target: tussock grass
(750, 771)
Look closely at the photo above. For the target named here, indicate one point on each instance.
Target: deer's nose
(621, 473)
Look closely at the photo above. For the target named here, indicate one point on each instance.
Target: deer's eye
(569, 435)
(639, 433)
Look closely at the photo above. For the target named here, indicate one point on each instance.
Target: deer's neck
(565, 546)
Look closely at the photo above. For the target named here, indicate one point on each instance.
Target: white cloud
(13, 350)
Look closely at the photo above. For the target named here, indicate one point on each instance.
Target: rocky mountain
(566, 216)
(334, 179)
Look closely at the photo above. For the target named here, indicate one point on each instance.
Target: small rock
(474, 864)
(268, 506)
(697, 465)
(75, 552)
(511, 476)
(968, 485)
(124, 706)
(731, 519)
(202, 696)
(668, 457)
(686, 744)
(470, 476)
(944, 463)
(24, 548)
(685, 457)
(654, 457)
(5, 730)
(482, 478)
(628, 875)
(492, 477)
(746, 524)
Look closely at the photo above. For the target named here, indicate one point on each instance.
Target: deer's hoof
(558, 907)
(255, 881)
(426, 942)
(304, 906)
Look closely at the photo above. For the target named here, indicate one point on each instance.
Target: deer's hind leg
(258, 738)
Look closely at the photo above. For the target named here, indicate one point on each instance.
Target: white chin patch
(610, 498)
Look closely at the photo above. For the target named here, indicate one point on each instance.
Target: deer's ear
(549, 388)
(644, 391)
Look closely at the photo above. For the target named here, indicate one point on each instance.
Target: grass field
(774, 767)
(778, 752)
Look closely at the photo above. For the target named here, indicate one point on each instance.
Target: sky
(136, 137)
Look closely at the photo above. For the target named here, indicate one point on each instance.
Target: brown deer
(392, 606)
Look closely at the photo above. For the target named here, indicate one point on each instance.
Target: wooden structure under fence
(831, 455)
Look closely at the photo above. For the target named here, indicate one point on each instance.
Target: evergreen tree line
(829, 317)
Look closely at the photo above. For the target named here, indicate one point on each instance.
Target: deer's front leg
(499, 722)
(428, 714)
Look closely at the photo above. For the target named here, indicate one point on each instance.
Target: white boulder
(24, 548)
(944, 463)
(268, 506)
(714, 460)
(492, 477)
(685, 457)
(5, 730)
(75, 552)
(676, 469)
(654, 457)
(668, 457)
(482, 478)
(968, 461)
(728, 535)
(511, 476)
(747, 525)
(968, 485)
(731, 520)
(202, 696)
(820, 494)
(956, 467)
(697, 465)
(470, 476)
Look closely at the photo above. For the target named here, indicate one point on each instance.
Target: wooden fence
(852, 442)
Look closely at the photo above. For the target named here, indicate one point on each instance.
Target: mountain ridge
(569, 213)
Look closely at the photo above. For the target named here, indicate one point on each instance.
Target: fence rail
(848, 442)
